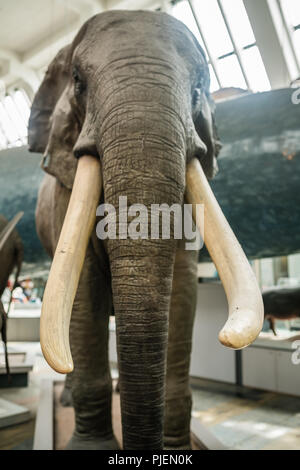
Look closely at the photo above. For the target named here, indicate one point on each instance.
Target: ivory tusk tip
(241, 329)
(60, 365)
(64, 368)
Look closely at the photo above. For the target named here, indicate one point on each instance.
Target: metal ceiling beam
(27, 66)
(14, 69)
(133, 4)
(270, 42)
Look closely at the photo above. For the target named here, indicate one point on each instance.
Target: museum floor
(240, 418)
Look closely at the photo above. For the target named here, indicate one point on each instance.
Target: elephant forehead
(155, 34)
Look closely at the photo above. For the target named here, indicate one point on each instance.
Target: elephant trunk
(144, 159)
(141, 287)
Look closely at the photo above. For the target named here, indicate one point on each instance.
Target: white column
(272, 41)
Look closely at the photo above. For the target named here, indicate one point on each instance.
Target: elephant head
(132, 93)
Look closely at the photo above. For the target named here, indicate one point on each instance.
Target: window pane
(239, 22)
(14, 114)
(23, 105)
(2, 89)
(296, 37)
(230, 73)
(213, 80)
(7, 126)
(291, 9)
(3, 141)
(15, 117)
(213, 27)
(183, 12)
(255, 70)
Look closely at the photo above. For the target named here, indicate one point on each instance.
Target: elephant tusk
(67, 265)
(246, 311)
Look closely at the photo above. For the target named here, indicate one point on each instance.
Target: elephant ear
(204, 122)
(53, 128)
(203, 111)
(45, 100)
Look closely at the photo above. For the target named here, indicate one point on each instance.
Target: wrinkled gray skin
(11, 257)
(132, 90)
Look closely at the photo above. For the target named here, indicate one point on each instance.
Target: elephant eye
(196, 99)
(79, 85)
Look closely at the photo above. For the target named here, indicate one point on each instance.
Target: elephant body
(90, 382)
(132, 90)
(281, 303)
(11, 257)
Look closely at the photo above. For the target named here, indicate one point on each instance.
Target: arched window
(14, 115)
(224, 31)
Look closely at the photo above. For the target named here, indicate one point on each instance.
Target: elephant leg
(178, 400)
(272, 325)
(3, 332)
(91, 380)
(66, 396)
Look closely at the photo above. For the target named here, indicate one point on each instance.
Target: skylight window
(224, 31)
(14, 115)
(291, 15)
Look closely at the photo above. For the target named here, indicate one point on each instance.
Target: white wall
(210, 359)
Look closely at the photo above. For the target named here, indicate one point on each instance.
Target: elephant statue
(127, 103)
(11, 257)
(281, 303)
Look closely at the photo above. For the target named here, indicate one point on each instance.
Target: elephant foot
(92, 443)
(181, 447)
(117, 388)
(66, 397)
(171, 443)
